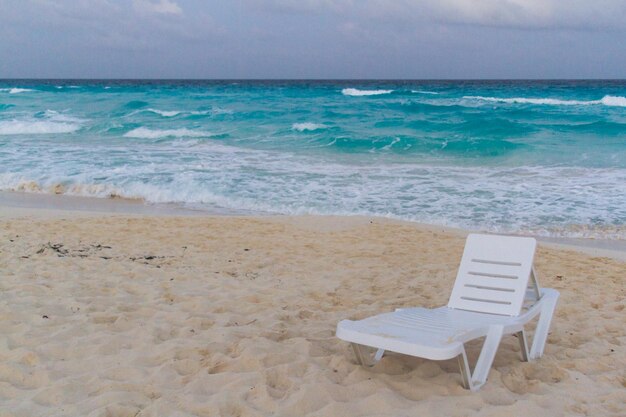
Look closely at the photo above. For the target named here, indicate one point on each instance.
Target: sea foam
(357, 92)
(15, 90)
(36, 127)
(614, 101)
(617, 101)
(145, 133)
(213, 177)
(303, 127)
(164, 113)
(173, 113)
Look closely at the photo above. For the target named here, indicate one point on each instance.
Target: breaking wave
(36, 127)
(303, 127)
(145, 133)
(398, 191)
(164, 113)
(15, 90)
(607, 100)
(173, 113)
(82, 190)
(357, 92)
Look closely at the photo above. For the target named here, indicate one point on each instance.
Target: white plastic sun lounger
(491, 297)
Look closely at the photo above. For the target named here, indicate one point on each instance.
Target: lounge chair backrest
(493, 275)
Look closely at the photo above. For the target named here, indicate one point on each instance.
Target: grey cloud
(546, 14)
(530, 14)
(162, 7)
(312, 38)
(110, 23)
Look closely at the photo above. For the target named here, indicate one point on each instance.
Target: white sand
(207, 316)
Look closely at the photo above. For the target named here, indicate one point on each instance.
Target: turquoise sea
(531, 157)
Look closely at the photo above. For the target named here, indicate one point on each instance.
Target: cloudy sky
(313, 38)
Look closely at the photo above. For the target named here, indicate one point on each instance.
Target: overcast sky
(313, 38)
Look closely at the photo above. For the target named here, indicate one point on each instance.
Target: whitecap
(164, 113)
(302, 127)
(524, 100)
(215, 111)
(606, 100)
(145, 133)
(390, 145)
(614, 101)
(357, 92)
(55, 116)
(173, 113)
(36, 127)
(15, 90)
(424, 92)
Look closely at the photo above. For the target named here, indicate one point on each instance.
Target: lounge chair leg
(543, 326)
(379, 355)
(523, 344)
(476, 380)
(365, 359)
(359, 355)
(465, 370)
(487, 355)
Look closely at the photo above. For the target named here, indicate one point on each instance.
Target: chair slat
(502, 283)
(493, 275)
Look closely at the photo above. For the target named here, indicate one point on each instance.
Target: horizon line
(307, 79)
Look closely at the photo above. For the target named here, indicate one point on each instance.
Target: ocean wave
(15, 90)
(357, 92)
(173, 113)
(81, 190)
(36, 127)
(216, 111)
(302, 127)
(145, 133)
(187, 192)
(614, 101)
(607, 100)
(55, 116)
(164, 113)
(136, 104)
(215, 175)
(578, 231)
(424, 92)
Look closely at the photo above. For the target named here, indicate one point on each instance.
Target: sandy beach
(126, 315)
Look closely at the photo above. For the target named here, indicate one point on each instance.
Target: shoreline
(14, 204)
(38, 202)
